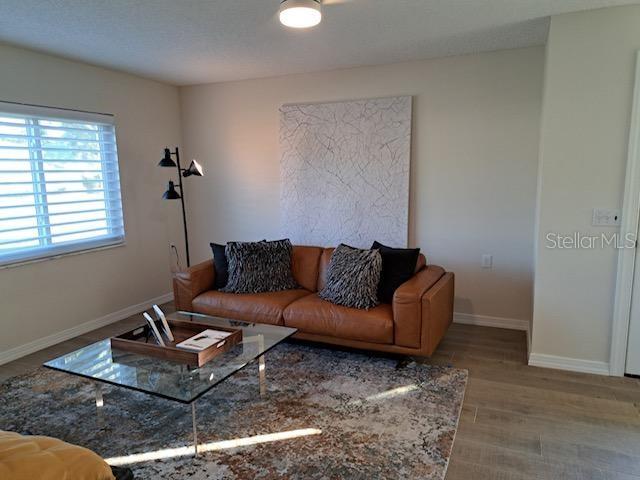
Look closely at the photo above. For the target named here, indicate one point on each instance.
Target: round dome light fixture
(300, 13)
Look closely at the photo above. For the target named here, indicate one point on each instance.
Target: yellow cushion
(45, 458)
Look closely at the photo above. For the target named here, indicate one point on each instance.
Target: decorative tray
(140, 340)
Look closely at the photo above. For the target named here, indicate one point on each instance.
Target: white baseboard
(486, 321)
(44, 342)
(535, 359)
(567, 363)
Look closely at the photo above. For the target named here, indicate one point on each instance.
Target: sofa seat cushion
(266, 307)
(311, 314)
(45, 458)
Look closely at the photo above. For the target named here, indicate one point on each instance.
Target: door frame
(629, 226)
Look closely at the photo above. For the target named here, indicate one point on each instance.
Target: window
(59, 182)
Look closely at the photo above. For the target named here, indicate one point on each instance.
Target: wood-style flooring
(518, 422)
(521, 423)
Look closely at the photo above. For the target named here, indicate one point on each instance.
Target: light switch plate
(605, 217)
(487, 261)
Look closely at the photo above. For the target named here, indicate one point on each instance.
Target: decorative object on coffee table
(171, 194)
(136, 341)
(153, 330)
(163, 319)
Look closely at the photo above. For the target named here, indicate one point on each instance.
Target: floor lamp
(171, 194)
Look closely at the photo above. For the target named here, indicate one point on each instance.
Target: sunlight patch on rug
(210, 447)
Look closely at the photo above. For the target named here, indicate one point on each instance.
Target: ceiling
(188, 42)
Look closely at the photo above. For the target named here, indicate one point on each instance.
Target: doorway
(625, 331)
(632, 363)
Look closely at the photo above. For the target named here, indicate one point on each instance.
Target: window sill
(20, 263)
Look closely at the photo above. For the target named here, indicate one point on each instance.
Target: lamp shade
(171, 193)
(194, 169)
(167, 161)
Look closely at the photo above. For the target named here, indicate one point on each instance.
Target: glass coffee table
(173, 381)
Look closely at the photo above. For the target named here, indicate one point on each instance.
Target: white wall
(474, 162)
(586, 113)
(45, 298)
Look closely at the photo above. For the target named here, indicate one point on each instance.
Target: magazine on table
(204, 340)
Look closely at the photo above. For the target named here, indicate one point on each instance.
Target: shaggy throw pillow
(221, 265)
(398, 266)
(256, 267)
(352, 277)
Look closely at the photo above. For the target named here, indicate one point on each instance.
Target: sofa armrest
(437, 312)
(189, 283)
(407, 306)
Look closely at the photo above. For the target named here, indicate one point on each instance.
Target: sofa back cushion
(325, 258)
(304, 266)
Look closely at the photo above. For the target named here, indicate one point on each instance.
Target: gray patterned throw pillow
(256, 267)
(352, 277)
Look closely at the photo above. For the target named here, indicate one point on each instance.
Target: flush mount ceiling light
(300, 13)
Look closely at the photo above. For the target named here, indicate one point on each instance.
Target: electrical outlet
(605, 217)
(487, 261)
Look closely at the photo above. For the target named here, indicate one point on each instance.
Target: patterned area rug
(327, 414)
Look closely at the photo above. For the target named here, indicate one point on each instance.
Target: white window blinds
(59, 182)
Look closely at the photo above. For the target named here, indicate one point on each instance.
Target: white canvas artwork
(344, 172)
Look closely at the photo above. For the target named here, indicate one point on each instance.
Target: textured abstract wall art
(344, 172)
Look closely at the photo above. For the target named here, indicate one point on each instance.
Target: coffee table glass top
(166, 379)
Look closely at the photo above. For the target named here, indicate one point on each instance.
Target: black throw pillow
(398, 266)
(221, 264)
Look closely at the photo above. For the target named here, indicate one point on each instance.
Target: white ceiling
(199, 41)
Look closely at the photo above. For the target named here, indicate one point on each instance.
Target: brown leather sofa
(413, 324)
